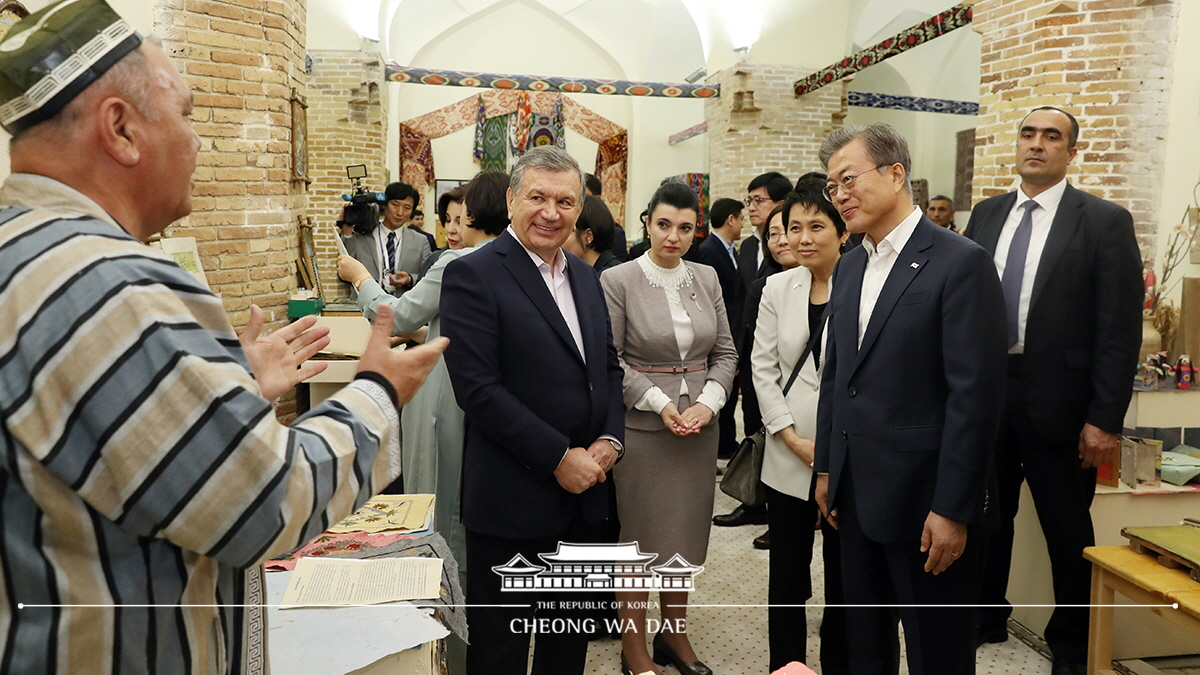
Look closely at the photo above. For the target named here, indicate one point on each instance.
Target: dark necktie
(1014, 269)
(391, 252)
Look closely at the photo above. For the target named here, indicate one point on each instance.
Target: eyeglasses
(755, 200)
(846, 183)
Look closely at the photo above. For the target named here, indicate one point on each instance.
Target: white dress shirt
(728, 247)
(381, 233)
(880, 259)
(1042, 218)
(560, 289)
(713, 395)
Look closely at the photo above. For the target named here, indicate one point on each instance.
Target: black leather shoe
(663, 655)
(763, 541)
(742, 515)
(990, 636)
(1062, 667)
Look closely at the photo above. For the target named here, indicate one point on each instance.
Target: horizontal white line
(22, 605)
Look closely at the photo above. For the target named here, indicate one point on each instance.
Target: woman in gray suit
(790, 313)
(672, 335)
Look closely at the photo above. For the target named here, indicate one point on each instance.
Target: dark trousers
(791, 521)
(500, 635)
(727, 442)
(939, 640)
(1062, 494)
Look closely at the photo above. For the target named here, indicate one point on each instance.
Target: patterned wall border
(935, 26)
(863, 99)
(690, 132)
(454, 78)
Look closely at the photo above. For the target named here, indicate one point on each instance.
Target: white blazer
(779, 338)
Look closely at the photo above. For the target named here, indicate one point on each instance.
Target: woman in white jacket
(791, 311)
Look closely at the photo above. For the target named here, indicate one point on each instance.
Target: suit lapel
(989, 232)
(578, 278)
(847, 319)
(529, 279)
(1066, 222)
(909, 263)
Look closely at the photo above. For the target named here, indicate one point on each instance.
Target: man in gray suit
(392, 253)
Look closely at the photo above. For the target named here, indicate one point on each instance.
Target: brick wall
(1106, 62)
(242, 58)
(783, 135)
(347, 124)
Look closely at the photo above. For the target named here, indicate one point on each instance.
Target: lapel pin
(915, 265)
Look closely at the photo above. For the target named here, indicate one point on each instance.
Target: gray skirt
(665, 490)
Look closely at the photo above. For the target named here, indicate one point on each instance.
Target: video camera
(364, 208)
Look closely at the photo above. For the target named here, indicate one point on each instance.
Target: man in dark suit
(717, 251)
(1072, 277)
(533, 366)
(392, 253)
(910, 402)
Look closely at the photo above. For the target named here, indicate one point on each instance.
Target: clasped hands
(690, 421)
(581, 468)
(942, 538)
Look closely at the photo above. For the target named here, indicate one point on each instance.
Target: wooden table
(1139, 577)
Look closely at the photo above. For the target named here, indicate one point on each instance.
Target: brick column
(758, 124)
(1104, 61)
(347, 124)
(242, 58)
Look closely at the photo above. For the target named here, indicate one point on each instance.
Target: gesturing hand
(577, 471)
(275, 358)
(406, 369)
(945, 540)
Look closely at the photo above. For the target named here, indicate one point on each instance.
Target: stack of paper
(324, 582)
(401, 513)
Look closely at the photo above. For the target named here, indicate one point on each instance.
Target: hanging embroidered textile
(699, 183)
(478, 150)
(548, 129)
(522, 124)
(495, 144)
(416, 157)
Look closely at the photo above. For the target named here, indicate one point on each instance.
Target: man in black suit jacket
(1075, 315)
(534, 368)
(717, 251)
(910, 401)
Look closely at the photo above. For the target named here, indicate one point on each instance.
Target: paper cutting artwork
(389, 512)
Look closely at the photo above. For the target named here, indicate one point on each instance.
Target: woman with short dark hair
(593, 237)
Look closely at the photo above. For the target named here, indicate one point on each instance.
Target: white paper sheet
(323, 582)
(338, 640)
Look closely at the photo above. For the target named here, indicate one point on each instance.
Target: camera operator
(392, 253)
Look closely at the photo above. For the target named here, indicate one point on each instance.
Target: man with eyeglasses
(911, 393)
(1072, 276)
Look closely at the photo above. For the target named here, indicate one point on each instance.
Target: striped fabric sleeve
(123, 378)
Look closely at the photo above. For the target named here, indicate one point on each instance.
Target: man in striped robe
(143, 475)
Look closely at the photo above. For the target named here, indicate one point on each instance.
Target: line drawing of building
(597, 567)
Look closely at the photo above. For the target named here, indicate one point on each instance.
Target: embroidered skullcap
(52, 55)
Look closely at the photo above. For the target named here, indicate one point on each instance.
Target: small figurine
(1147, 377)
(1185, 372)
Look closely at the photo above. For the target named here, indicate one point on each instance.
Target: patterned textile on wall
(455, 78)
(495, 144)
(865, 99)
(521, 125)
(416, 157)
(612, 157)
(477, 152)
(933, 27)
(548, 129)
(462, 114)
(699, 183)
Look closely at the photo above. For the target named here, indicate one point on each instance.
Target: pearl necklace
(669, 280)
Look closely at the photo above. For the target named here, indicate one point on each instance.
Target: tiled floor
(733, 640)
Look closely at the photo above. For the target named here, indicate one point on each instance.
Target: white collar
(897, 238)
(560, 260)
(1048, 199)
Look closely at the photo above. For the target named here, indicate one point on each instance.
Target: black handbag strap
(812, 342)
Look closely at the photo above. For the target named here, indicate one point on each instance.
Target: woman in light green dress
(432, 423)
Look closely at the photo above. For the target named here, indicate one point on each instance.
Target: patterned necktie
(391, 252)
(1014, 270)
